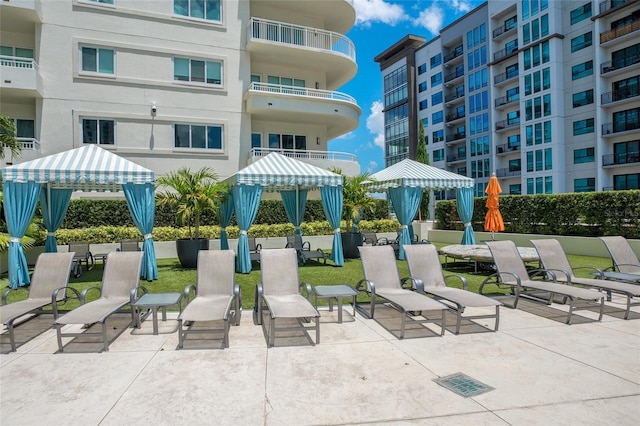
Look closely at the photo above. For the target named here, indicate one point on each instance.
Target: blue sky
(380, 24)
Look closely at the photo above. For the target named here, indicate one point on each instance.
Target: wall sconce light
(317, 85)
(270, 104)
(317, 141)
(154, 109)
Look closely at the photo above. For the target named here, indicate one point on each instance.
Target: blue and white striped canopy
(409, 173)
(89, 168)
(277, 172)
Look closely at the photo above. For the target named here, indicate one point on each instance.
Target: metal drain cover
(463, 385)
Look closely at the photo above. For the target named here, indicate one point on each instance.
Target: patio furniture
(624, 259)
(381, 280)
(424, 264)
(119, 288)
(304, 249)
(553, 258)
(337, 292)
(480, 253)
(372, 239)
(216, 293)
(129, 245)
(155, 301)
(280, 293)
(513, 273)
(82, 255)
(254, 249)
(49, 282)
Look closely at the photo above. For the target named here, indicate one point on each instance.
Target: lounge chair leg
(497, 317)
(601, 309)
(570, 312)
(59, 336)
(444, 321)
(458, 320)
(12, 338)
(404, 320)
(180, 334)
(317, 330)
(104, 336)
(626, 315)
(272, 331)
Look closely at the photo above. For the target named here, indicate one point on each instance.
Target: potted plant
(191, 194)
(355, 200)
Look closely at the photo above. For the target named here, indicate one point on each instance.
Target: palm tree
(8, 137)
(355, 198)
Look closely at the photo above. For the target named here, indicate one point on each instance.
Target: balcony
(30, 151)
(610, 129)
(453, 117)
(337, 15)
(337, 111)
(500, 79)
(19, 77)
(505, 30)
(621, 159)
(619, 95)
(454, 54)
(303, 47)
(455, 75)
(615, 33)
(346, 162)
(454, 97)
(456, 137)
(507, 124)
(506, 100)
(507, 149)
(504, 53)
(15, 13)
(505, 173)
(612, 4)
(456, 158)
(610, 66)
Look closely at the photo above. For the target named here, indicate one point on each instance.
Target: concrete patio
(542, 371)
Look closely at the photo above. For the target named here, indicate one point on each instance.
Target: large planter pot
(350, 243)
(188, 251)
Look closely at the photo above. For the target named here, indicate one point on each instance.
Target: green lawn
(173, 278)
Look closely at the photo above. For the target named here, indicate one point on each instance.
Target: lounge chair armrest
(425, 241)
(187, 293)
(546, 273)
(416, 283)
(500, 274)
(6, 293)
(133, 295)
(596, 271)
(258, 303)
(83, 295)
(54, 298)
(369, 286)
(289, 245)
(307, 289)
(382, 241)
(465, 285)
(306, 246)
(258, 247)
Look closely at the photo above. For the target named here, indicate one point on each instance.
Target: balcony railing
(454, 54)
(455, 116)
(29, 144)
(459, 73)
(506, 124)
(505, 76)
(507, 100)
(453, 96)
(18, 62)
(501, 173)
(505, 148)
(611, 128)
(619, 95)
(626, 158)
(503, 29)
(301, 91)
(505, 52)
(456, 136)
(620, 64)
(305, 155)
(456, 157)
(610, 4)
(293, 35)
(619, 32)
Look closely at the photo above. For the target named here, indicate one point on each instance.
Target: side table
(336, 292)
(154, 301)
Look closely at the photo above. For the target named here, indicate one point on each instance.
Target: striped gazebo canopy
(412, 174)
(89, 168)
(277, 172)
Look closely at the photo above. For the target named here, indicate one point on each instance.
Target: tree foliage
(8, 137)
(422, 156)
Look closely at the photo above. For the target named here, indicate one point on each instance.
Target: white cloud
(461, 6)
(431, 19)
(372, 167)
(369, 11)
(346, 136)
(375, 123)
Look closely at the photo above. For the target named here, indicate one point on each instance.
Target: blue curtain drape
(464, 205)
(225, 212)
(54, 204)
(332, 206)
(405, 202)
(246, 200)
(141, 202)
(294, 204)
(20, 200)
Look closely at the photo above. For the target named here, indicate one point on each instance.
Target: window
(435, 60)
(422, 68)
(437, 117)
(515, 189)
(546, 78)
(97, 60)
(581, 13)
(436, 79)
(256, 140)
(198, 136)
(98, 131)
(422, 87)
(209, 72)
(422, 105)
(438, 136)
(582, 127)
(585, 155)
(625, 57)
(438, 155)
(584, 185)
(626, 120)
(581, 70)
(630, 181)
(583, 98)
(202, 9)
(626, 152)
(581, 42)
(278, 141)
(436, 98)
(25, 128)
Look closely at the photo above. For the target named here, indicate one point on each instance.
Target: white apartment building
(172, 83)
(544, 93)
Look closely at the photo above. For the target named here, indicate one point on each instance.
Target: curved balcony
(303, 47)
(337, 111)
(20, 77)
(344, 161)
(337, 15)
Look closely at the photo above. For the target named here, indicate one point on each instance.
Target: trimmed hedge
(590, 214)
